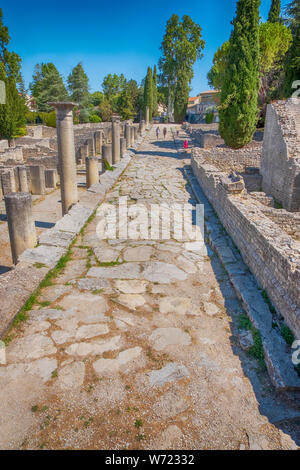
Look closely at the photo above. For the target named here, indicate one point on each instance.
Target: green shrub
(50, 119)
(20, 132)
(95, 118)
(209, 117)
(287, 335)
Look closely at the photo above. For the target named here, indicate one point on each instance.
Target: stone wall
(280, 164)
(227, 159)
(271, 254)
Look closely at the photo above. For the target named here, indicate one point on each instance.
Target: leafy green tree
(238, 110)
(182, 45)
(13, 112)
(78, 84)
(47, 85)
(148, 93)
(274, 14)
(274, 42)
(292, 11)
(112, 85)
(96, 98)
(216, 74)
(292, 62)
(155, 96)
(292, 65)
(105, 110)
(125, 105)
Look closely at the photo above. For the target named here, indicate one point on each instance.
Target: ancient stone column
(107, 153)
(147, 116)
(98, 136)
(8, 181)
(21, 226)
(108, 136)
(132, 135)
(37, 177)
(91, 147)
(123, 147)
(66, 155)
(51, 178)
(128, 135)
(115, 139)
(142, 127)
(135, 130)
(84, 152)
(22, 179)
(92, 171)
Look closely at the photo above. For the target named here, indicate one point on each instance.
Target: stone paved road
(135, 343)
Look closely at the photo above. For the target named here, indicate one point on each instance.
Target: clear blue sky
(112, 36)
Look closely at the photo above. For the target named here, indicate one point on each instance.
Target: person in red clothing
(185, 145)
(165, 132)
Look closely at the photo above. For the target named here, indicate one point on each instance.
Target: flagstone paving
(136, 345)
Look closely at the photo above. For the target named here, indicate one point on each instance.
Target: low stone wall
(272, 255)
(280, 164)
(227, 159)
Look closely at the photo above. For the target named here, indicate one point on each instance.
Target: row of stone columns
(19, 205)
(34, 178)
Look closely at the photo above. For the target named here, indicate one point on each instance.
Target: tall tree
(47, 85)
(155, 96)
(12, 112)
(274, 42)
(182, 45)
(216, 74)
(274, 14)
(292, 11)
(78, 84)
(182, 91)
(292, 63)
(125, 104)
(112, 85)
(238, 110)
(148, 93)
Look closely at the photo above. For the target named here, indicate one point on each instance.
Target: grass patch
(39, 265)
(268, 301)
(45, 304)
(108, 167)
(107, 265)
(97, 291)
(277, 204)
(257, 350)
(245, 322)
(139, 423)
(287, 335)
(22, 316)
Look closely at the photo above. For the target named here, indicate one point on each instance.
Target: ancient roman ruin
(152, 314)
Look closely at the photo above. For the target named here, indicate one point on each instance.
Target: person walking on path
(157, 132)
(165, 132)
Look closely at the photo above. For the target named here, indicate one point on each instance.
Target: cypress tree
(182, 91)
(155, 91)
(239, 110)
(148, 93)
(78, 83)
(274, 14)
